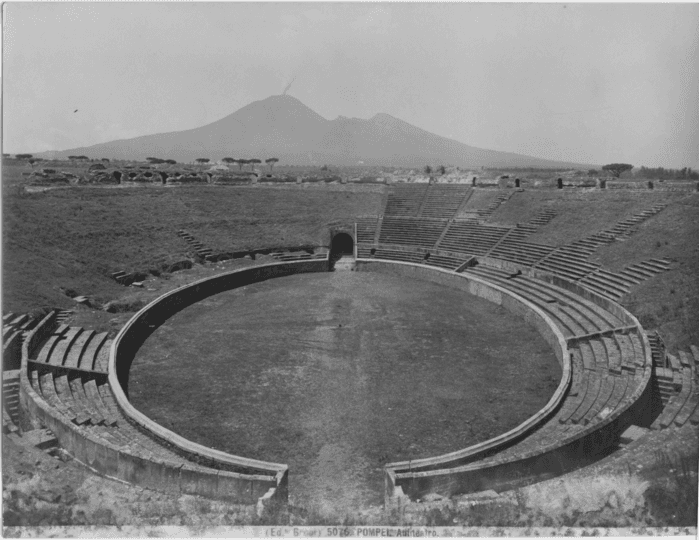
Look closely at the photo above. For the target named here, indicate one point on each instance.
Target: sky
(589, 83)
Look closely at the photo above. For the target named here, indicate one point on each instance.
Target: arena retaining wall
(113, 462)
(246, 480)
(233, 478)
(12, 351)
(515, 305)
(242, 475)
(458, 472)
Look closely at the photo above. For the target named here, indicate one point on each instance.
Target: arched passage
(342, 244)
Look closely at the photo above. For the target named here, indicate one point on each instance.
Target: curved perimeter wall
(142, 325)
(459, 472)
(249, 481)
(516, 305)
(229, 477)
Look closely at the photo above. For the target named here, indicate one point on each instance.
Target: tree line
(157, 161)
(615, 169)
(440, 170)
(252, 162)
(228, 160)
(685, 173)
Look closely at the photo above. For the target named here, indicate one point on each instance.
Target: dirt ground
(337, 374)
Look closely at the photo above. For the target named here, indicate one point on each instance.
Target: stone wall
(137, 330)
(514, 304)
(239, 480)
(458, 472)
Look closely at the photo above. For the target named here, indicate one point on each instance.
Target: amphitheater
(619, 380)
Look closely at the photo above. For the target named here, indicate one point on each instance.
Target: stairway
(678, 385)
(10, 401)
(199, 248)
(542, 218)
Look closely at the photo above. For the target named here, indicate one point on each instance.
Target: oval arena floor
(338, 373)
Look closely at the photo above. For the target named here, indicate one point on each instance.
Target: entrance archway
(342, 244)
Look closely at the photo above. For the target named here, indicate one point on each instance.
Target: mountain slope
(283, 127)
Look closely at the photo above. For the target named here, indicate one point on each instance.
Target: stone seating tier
(574, 318)
(442, 201)
(602, 287)
(413, 232)
(577, 250)
(565, 258)
(75, 348)
(393, 255)
(614, 285)
(298, 256)
(618, 393)
(620, 282)
(485, 213)
(561, 427)
(519, 252)
(444, 261)
(92, 407)
(679, 386)
(623, 227)
(10, 400)
(563, 267)
(543, 218)
(366, 230)
(469, 237)
(405, 200)
(81, 410)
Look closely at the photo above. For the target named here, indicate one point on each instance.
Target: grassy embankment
(74, 238)
(668, 302)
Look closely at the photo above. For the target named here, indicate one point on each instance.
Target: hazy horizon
(586, 83)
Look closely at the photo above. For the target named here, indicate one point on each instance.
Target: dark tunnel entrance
(342, 244)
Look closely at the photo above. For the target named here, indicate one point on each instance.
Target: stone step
(609, 285)
(53, 339)
(637, 270)
(653, 266)
(601, 290)
(632, 273)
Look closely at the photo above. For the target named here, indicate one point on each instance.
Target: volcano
(283, 127)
